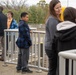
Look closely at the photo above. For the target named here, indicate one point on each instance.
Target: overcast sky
(63, 2)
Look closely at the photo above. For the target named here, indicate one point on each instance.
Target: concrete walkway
(11, 70)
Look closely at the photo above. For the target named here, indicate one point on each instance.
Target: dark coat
(3, 23)
(24, 40)
(65, 40)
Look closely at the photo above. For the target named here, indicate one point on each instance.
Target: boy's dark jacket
(65, 38)
(24, 40)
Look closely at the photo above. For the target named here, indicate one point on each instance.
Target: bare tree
(16, 4)
(5, 3)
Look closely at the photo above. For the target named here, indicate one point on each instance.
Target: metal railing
(38, 57)
(71, 64)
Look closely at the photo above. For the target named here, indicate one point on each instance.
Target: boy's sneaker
(18, 70)
(27, 71)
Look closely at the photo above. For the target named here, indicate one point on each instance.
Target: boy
(23, 42)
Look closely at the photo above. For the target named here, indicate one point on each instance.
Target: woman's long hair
(51, 7)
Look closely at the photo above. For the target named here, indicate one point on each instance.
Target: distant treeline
(37, 14)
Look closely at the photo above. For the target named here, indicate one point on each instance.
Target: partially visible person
(24, 43)
(61, 15)
(65, 37)
(3, 25)
(11, 23)
(53, 20)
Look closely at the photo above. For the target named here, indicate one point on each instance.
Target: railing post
(61, 66)
(74, 67)
(39, 70)
(70, 66)
(12, 58)
(5, 33)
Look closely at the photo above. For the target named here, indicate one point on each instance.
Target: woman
(65, 38)
(53, 20)
(11, 23)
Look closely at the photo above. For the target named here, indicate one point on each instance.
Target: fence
(38, 58)
(67, 58)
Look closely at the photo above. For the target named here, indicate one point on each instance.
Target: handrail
(38, 57)
(68, 54)
(16, 30)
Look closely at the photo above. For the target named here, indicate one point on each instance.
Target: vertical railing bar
(33, 51)
(32, 47)
(74, 67)
(11, 46)
(15, 46)
(5, 45)
(39, 52)
(35, 48)
(70, 66)
(43, 52)
(61, 66)
(17, 49)
(8, 37)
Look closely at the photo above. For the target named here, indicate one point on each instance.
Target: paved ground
(10, 70)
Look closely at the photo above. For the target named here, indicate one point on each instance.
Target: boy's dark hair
(23, 14)
(70, 14)
(1, 8)
(51, 7)
(10, 13)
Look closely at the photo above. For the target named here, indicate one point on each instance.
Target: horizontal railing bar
(71, 54)
(16, 30)
(32, 66)
(39, 32)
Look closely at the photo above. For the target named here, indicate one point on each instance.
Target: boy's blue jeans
(23, 57)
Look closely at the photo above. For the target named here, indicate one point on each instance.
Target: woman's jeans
(52, 57)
